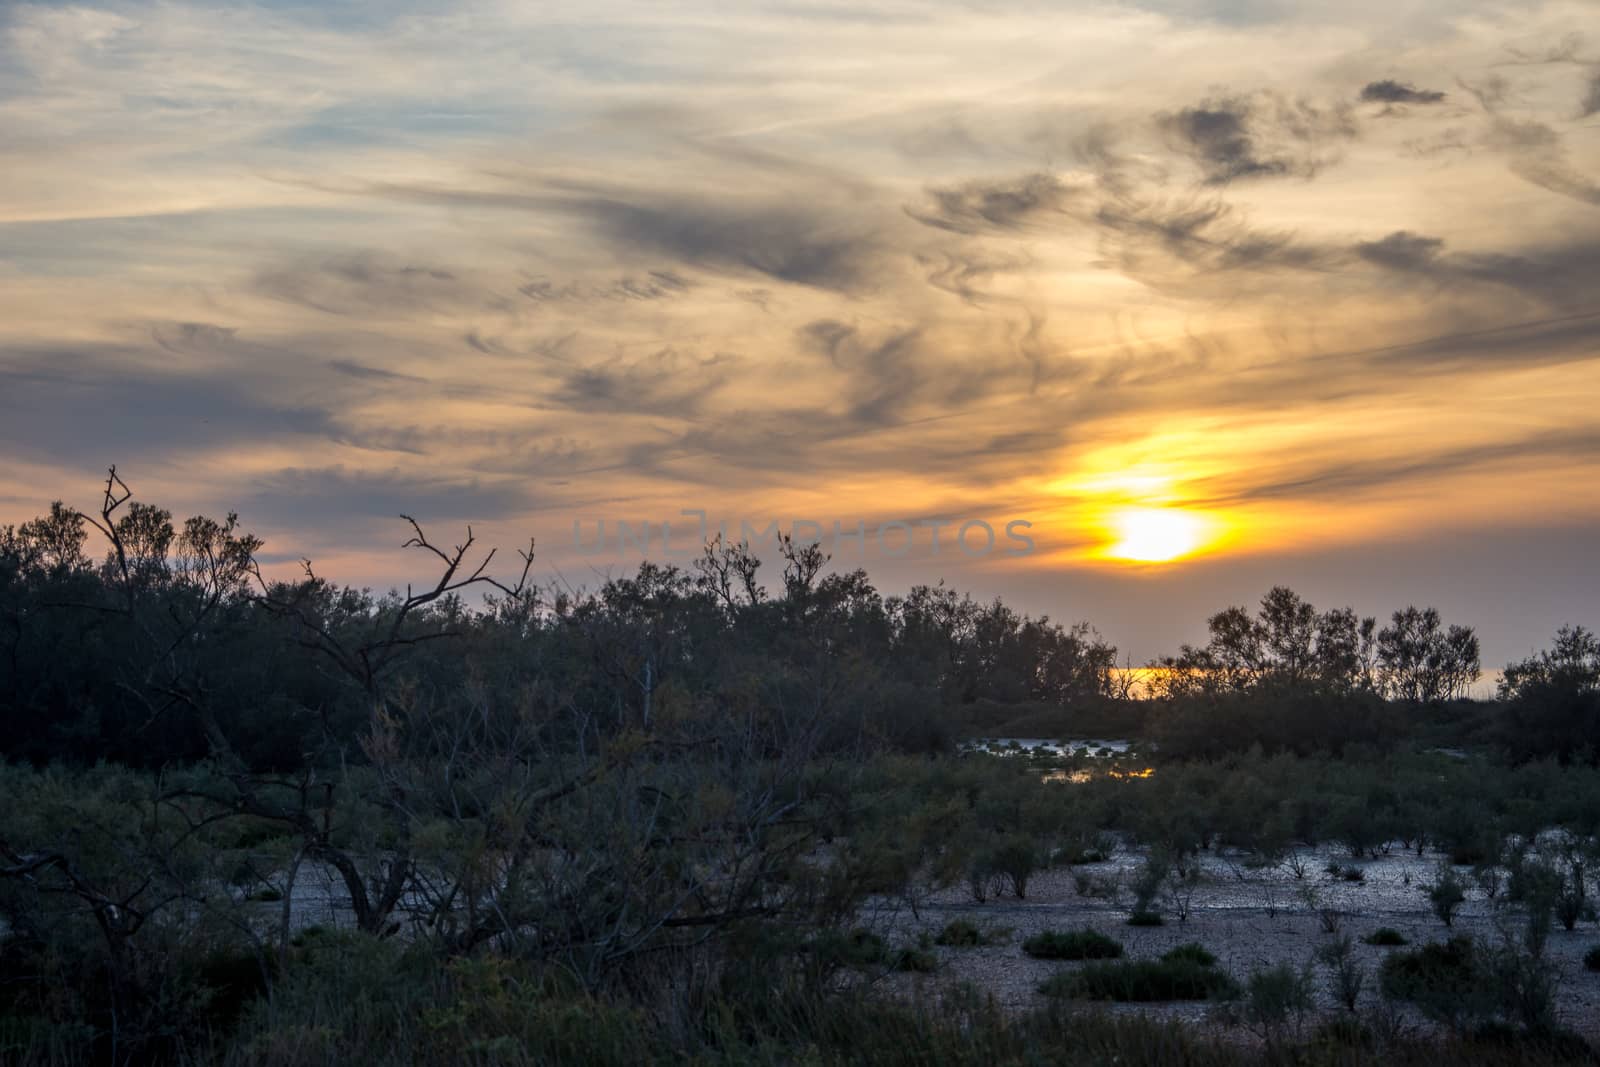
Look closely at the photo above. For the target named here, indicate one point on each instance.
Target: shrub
(1142, 981)
(1572, 901)
(1097, 852)
(1545, 1045)
(1192, 951)
(1014, 860)
(979, 877)
(1442, 980)
(1446, 894)
(1386, 936)
(1348, 977)
(1180, 888)
(863, 947)
(958, 933)
(916, 960)
(857, 948)
(1344, 1032)
(1278, 997)
(1591, 959)
(865, 950)
(1146, 918)
(1489, 878)
(1434, 965)
(1519, 986)
(1082, 944)
(1147, 885)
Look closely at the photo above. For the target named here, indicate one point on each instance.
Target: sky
(1213, 296)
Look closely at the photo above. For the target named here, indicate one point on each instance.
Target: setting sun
(1155, 535)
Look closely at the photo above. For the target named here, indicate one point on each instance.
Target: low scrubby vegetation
(1386, 936)
(958, 933)
(1192, 952)
(1072, 945)
(263, 821)
(1179, 977)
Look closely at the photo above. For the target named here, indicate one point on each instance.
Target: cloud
(812, 235)
(1564, 275)
(665, 382)
(1336, 480)
(996, 205)
(652, 285)
(1259, 136)
(1539, 155)
(377, 374)
(1389, 91)
(116, 406)
(788, 242)
(966, 272)
(336, 495)
(1547, 341)
(1402, 250)
(366, 283)
(1175, 244)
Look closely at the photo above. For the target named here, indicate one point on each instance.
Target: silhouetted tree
(1422, 662)
(1553, 700)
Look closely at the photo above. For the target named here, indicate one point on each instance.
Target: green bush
(1082, 944)
(915, 960)
(858, 949)
(1143, 981)
(1013, 861)
(1193, 951)
(865, 950)
(1338, 955)
(1277, 997)
(1386, 936)
(1442, 980)
(958, 933)
(1146, 918)
(1446, 894)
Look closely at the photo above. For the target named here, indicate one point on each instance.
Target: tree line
(169, 637)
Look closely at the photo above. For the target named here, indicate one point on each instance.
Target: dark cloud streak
(1262, 135)
(1389, 91)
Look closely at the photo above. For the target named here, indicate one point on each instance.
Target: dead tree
(367, 659)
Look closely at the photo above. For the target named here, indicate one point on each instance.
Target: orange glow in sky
(1155, 535)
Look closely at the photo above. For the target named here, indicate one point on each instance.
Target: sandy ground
(1231, 916)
